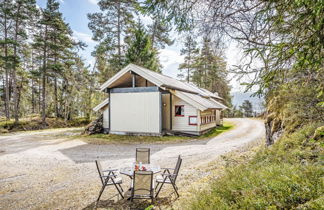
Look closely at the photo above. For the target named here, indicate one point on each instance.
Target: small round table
(129, 171)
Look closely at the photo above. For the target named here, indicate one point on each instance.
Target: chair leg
(121, 188)
(175, 188)
(100, 193)
(157, 185)
(120, 193)
(159, 189)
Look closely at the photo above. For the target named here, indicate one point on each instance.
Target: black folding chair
(110, 179)
(169, 176)
(143, 155)
(142, 186)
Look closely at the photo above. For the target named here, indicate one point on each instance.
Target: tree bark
(44, 79)
(33, 96)
(39, 96)
(55, 97)
(14, 77)
(7, 72)
(153, 34)
(189, 61)
(119, 33)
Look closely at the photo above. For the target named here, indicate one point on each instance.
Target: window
(192, 120)
(179, 111)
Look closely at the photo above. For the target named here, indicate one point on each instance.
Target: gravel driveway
(47, 170)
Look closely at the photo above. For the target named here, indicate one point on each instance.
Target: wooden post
(171, 111)
(109, 107)
(133, 80)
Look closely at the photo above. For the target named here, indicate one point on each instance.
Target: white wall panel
(182, 123)
(135, 112)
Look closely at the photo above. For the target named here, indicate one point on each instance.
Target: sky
(75, 13)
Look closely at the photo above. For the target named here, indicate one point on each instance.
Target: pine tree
(159, 31)
(22, 14)
(190, 51)
(5, 18)
(61, 43)
(247, 108)
(45, 41)
(140, 50)
(109, 27)
(209, 71)
(44, 75)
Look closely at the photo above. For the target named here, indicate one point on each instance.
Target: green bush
(287, 175)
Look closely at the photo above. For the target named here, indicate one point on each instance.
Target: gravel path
(46, 170)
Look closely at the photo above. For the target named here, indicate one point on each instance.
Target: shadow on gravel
(91, 152)
(20, 145)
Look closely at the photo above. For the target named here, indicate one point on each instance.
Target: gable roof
(197, 101)
(101, 105)
(159, 80)
(200, 98)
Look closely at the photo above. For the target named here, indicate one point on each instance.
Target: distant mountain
(239, 97)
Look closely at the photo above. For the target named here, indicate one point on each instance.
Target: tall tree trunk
(33, 85)
(44, 79)
(39, 96)
(55, 97)
(19, 92)
(14, 77)
(7, 89)
(33, 96)
(189, 61)
(119, 34)
(154, 34)
(3, 96)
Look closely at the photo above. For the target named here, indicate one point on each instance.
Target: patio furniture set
(141, 175)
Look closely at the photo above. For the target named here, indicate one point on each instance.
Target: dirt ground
(47, 169)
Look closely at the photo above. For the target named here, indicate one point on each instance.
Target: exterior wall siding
(182, 123)
(135, 112)
(106, 117)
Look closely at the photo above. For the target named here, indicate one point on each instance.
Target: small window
(179, 111)
(192, 120)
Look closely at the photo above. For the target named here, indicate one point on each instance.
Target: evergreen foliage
(40, 68)
(190, 51)
(140, 50)
(247, 108)
(206, 68)
(109, 28)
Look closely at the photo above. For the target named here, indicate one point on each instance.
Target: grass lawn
(111, 138)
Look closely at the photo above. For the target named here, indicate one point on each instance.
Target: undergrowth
(287, 175)
(35, 123)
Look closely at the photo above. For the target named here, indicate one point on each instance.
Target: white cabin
(143, 102)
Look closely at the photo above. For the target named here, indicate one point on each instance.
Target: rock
(95, 126)
(274, 130)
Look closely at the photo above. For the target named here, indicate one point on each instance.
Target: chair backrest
(143, 155)
(143, 183)
(177, 168)
(100, 172)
